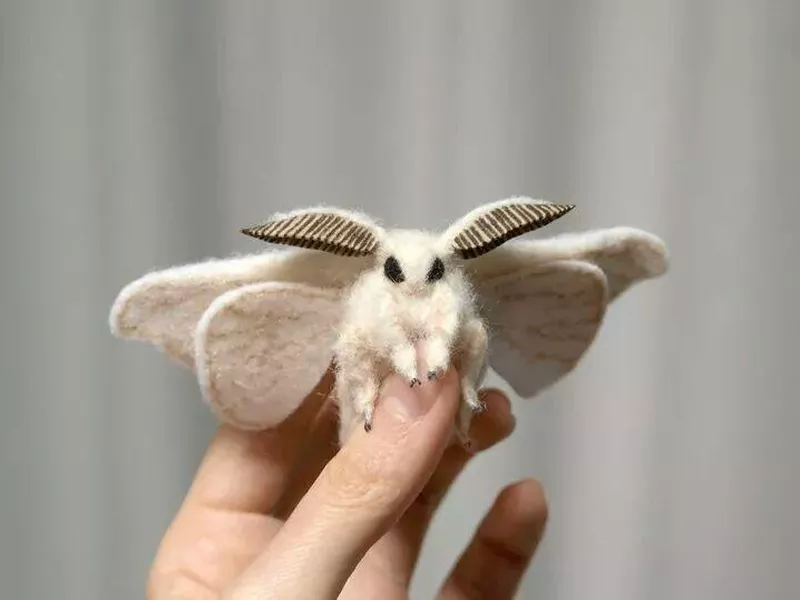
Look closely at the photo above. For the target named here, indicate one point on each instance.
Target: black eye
(436, 271)
(392, 270)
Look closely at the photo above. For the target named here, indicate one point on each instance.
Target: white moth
(261, 330)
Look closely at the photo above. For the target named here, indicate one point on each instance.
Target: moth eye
(392, 270)
(436, 271)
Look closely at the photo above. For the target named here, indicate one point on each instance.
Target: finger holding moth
(359, 494)
(396, 554)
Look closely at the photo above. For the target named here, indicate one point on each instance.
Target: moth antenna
(331, 230)
(492, 225)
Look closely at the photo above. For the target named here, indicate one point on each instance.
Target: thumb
(361, 492)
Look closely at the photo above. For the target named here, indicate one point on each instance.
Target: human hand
(282, 514)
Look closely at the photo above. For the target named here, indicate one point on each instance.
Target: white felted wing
(542, 319)
(262, 348)
(164, 307)
(626, 256)
(545, 299)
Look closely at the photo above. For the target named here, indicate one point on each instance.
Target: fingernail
(408, 404)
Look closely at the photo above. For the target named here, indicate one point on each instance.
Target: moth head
(413, 262)
(332, 230)
(492, 225)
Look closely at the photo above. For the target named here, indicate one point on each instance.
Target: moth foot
(366, 415)
(463, 438)
(435, 374)
(463, 422)
(480, 407)
(437, 356)
(414, 382)
(472, 399)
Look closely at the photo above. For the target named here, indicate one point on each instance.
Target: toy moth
(261, 330)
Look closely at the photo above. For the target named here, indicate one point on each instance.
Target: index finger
(359, 495)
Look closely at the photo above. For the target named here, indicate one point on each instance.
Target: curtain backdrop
(138, 135)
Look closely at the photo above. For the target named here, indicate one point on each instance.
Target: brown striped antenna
(330, 230)
(490, 226)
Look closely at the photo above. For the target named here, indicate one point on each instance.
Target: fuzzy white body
(397, 326)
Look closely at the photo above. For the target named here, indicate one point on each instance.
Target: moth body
(411, 307)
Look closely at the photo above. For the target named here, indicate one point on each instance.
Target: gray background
(137, 135)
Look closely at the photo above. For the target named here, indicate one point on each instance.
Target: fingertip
(383, 469)
(400, 404)
(526, 495)
(494, 424)
(519, 514)
(496, 392)
(499, 408)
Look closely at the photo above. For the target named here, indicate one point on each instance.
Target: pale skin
(282, 514)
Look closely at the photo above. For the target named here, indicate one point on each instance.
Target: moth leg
(403, 355)
(356, 393)
(464, 419)
(364, 397)
(404, 361)
(348, 417)
(475, 344)
(437, 345)
(357, 379)
(437, 355)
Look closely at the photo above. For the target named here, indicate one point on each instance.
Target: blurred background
(139, 135)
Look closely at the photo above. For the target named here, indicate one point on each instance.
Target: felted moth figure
(261, 330)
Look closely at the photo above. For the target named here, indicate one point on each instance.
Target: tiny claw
(465, 440)
(414, 382)
(368, 425)
(434, 375)
(480, 407)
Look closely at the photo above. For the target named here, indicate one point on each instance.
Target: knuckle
(175, 584)
(503, 553)
(360, 481)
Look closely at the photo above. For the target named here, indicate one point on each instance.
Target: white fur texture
(387, 326)
(261, 330)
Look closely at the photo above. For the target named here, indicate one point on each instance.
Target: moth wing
(163, 308)
(626, 256)
(542, 318)
(262, 348)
